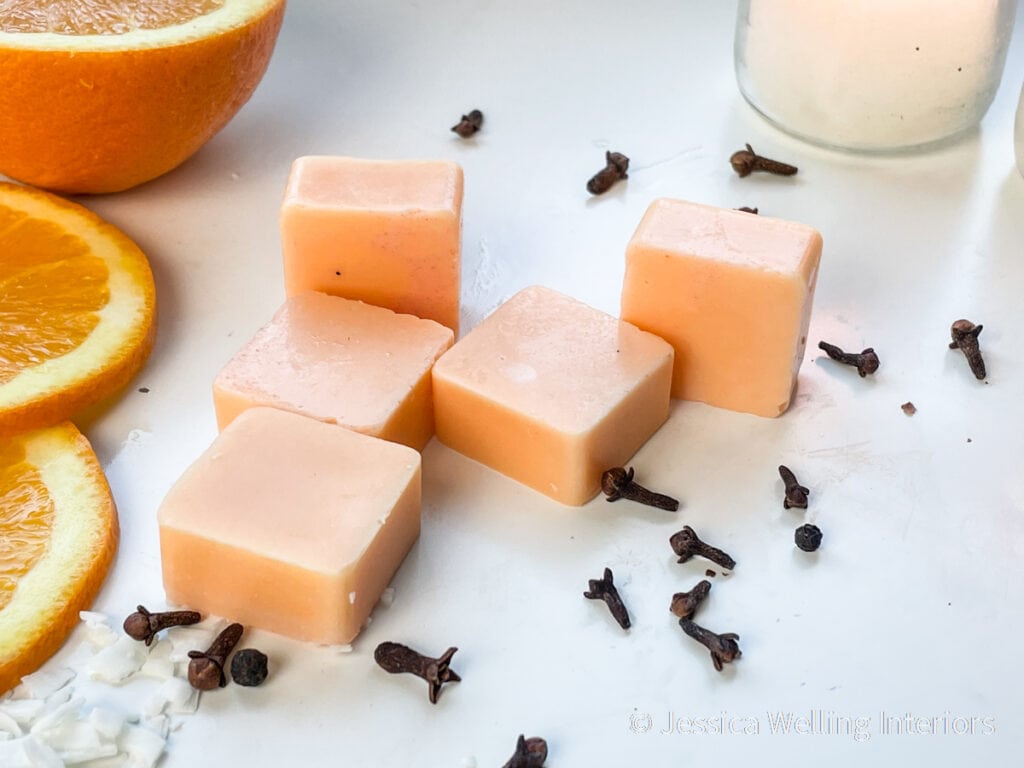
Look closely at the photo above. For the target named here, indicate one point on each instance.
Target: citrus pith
(107, 99)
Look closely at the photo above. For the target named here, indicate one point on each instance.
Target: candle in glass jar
(872, 74)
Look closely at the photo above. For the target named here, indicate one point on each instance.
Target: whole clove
(723, 648)
(206, 668)
(865, 361)
(686, 544)
(249, 667)
(808, 537)
(530, 753)
(469, 124)
(143, 625)
(684, 604)
(747, 161)
(604, 589)
(617, 483)
(796, 494)
(616, 165)
(398, 659)
(747, 209)
(965, 338)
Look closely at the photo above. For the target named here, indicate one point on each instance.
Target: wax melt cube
(552, 392)
(387, 232)
(290, 524)
(342, 361)
(732, 293)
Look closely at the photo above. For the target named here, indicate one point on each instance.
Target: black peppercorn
(249, 667)
(808, 537)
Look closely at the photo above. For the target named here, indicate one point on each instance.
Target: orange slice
(102, 95)
(58, 534)
(77, 308)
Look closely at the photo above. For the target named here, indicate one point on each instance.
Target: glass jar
(1018, 133)
(872, 75)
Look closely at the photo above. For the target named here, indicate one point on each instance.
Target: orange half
(103, 95)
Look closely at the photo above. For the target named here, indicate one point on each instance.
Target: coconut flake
(57, 717)
(352, 598)
(94, 618)
(176, 695)
(196, 637)
(160, 725)
(28, 752)
(9, 725)
(347, 648)
(40, 684)
(23, 711)
(158, 664)
(116, 663)
(107, 722)
(142, 745)
(98, 631)
(76, 741)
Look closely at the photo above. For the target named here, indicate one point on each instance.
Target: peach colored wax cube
(291, 525)
(346, 362)
(552, 392)
(387, 232)
(732, 293)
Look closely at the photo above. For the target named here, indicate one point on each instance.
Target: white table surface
(912, 605)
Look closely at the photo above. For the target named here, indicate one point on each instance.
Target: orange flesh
(26, 516)
(50, 299)
(100, 17)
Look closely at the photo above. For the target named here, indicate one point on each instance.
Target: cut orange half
(58, 535)
(77, 309)
(100, 96)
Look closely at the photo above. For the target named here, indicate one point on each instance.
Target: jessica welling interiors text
(816, 722)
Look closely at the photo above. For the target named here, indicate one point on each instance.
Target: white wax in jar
(1018, 133)
(874, 74)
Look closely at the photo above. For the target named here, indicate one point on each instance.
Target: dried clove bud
(469, 124)
(746, 161)
(617, 483)
(604, 589)
(143, 625)
(686, 544)
(723, 648)
(684, 604)
(965, 338)
(206, 669)
(530, 753)
(397, 659)
(616, 165)
(746, 209)
(865, 361)
(796, 494)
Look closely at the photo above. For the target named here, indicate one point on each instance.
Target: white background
(913, 603)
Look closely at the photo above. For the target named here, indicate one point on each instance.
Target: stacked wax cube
(317, 492)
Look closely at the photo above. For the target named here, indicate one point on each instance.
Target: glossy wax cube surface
(341, 361)
(387, 232)
(732, 292)
(291, 525)
(552, 392)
